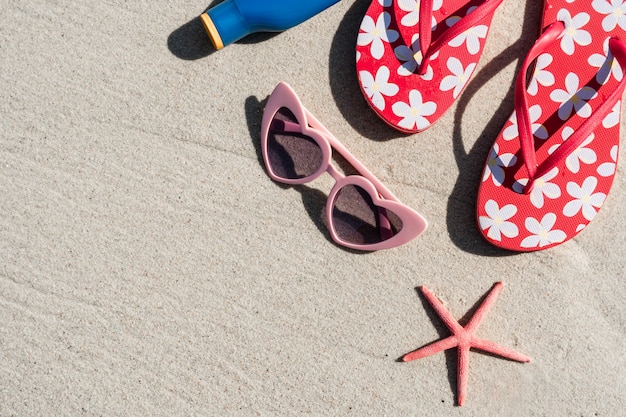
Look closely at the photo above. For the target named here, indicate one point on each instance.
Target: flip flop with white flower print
(411, 72)
(552, 166)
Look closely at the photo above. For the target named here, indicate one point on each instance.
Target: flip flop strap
(429, 48)
(522, 111)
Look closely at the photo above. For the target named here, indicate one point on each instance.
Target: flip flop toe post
(414, 57)
(551, 167)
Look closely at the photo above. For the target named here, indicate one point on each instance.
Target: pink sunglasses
(361, 212)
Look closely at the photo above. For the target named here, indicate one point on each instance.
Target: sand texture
(150, 267)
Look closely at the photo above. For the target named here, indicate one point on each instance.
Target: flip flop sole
(571, 78)
(387, 68)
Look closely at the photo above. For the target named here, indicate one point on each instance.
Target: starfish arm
(431, 349)
(462, 374)
(484, 308)
(441, 311)
(494, 348)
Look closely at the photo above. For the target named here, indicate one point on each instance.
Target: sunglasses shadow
(461, 209)
(190, 41)
(314, 200)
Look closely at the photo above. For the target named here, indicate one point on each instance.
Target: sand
(150, 267)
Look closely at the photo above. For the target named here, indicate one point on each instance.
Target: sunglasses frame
(413, 224)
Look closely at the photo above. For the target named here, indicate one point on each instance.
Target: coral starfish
(463, 338)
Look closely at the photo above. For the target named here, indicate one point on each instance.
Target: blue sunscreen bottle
(231, 20)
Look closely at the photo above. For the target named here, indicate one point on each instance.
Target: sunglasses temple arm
(384, 225)
(343, 151)
(284, 126)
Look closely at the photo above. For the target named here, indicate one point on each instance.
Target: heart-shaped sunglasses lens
(357, 220)
(292, 155)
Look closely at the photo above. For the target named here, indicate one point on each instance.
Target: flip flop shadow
(461, 209)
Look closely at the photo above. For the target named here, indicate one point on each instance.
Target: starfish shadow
(442, 331)
(314, 200)
(460, 217)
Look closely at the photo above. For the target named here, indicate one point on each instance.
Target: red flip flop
(410, 73)
(552, 165)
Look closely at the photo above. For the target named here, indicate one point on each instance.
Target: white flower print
(585, 199)
(497, 222)
(581, 154)
(377, 87)
(612, 119)
(540, 75)
(413, 7)
(376, 33)
(607, 169)
(539, 131)
(414, 113)
(615, 11)
(471, 37)
(385, 3)
(573, 99)
(607, 65)
(460, 76)
(411, 58)
(542, 188)
(496, 164)
(574, 34)
(542, 233)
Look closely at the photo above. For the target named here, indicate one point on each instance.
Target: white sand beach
(150, 267)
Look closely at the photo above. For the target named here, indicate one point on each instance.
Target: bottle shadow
(190, 41)
(314, 200)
